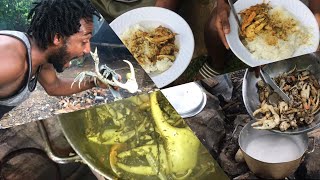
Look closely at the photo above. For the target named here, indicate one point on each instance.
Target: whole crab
(109, 77)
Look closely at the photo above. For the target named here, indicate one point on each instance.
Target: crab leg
(148, 150)
(160, 39)
(269, 123)
(307, 68)
(263, 109)
(82, 76)
(292, 70)
(131, 85)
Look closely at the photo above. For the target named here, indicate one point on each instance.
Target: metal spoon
(236, 17)
(267, 79)
(234, 13)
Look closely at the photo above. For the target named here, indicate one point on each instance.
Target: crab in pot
(178, 154)
(304, 91)
(268, 121)
(147, 137)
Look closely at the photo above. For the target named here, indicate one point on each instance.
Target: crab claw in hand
(131, 85)
(105, 86)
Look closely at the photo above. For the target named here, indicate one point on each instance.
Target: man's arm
(168, 4)
(56, 86)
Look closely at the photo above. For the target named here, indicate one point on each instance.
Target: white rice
(283, 49)
(160, 65)
(261, 50)
(129, 31)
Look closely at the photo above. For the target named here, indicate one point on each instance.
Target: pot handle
(313, 146)
(49, 151)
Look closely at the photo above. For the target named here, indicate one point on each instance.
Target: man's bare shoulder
(13, 59)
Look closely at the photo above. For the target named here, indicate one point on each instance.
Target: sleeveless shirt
(7, 104)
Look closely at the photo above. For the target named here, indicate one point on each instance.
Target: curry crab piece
(152, 153)
(283, 106)
(247, 21)
(115, 136)
(284, 125)
(304, 91)
(316, 106)
(131, 85)
(266, 123)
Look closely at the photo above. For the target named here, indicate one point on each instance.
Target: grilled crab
(109, 76)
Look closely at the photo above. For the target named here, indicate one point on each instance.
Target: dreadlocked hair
(62, 17)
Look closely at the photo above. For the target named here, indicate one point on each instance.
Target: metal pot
(77, 125)
(87, 153)
(272, 155)
(250, 91)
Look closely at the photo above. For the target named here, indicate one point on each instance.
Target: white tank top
(25, 91)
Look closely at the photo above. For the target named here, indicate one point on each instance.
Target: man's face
(74, 47)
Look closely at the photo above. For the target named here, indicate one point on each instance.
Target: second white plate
(295, 7)
(187, 99)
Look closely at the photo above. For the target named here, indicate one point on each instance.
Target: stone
(232, 168)
(239, 156)
(248, 175)
(223, 88)
(209, 126)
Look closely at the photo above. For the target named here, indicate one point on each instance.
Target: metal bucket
(272, 155)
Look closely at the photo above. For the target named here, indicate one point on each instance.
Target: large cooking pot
(250, 91)
(272, 155)
(77, 126)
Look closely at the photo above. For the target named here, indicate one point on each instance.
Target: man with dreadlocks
(60, 30)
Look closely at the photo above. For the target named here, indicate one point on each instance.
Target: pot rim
(84, 158)
(242, 149)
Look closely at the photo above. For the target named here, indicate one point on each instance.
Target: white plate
(295, 7)
(187, 99)
(153, 17)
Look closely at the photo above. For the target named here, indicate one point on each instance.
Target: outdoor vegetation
(13, 14)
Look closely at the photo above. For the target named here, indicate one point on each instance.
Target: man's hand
(256, 70)
(105, 86)
(314, 6)
(221, 22)
(317, 15)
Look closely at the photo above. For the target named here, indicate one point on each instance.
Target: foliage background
(14, 13)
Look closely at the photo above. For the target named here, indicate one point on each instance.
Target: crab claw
(94, 55)
(131, 85)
